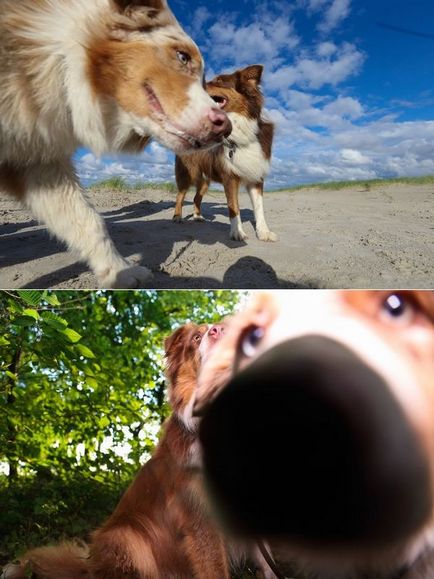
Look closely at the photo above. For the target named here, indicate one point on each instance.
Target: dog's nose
(308, 444)
(221, 125)
(217, 331)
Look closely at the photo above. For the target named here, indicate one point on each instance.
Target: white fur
(237, 231)
(48, 109)
(257, 199)
(248, 161)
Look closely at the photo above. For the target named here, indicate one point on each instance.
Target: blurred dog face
(339, 387)
(185, 350)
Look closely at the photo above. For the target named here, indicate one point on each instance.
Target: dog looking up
(107, 75)
(338, 386)
(243, 159)
(161, 528)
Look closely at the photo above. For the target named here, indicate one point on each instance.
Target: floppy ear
(123, 5)
(252, 74)
(172, 342)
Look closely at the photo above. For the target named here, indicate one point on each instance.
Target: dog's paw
(131, 277)
(239, 235)
(177, 219)
(266, 235)
(199, 217)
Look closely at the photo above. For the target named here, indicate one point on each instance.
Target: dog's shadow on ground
(151, 242)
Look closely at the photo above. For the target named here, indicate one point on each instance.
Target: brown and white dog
(107, 75)
(161, 528)
(331, 395)
(243, 159)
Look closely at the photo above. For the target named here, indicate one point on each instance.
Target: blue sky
(350, 86)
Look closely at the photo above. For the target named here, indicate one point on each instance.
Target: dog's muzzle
(308, 445)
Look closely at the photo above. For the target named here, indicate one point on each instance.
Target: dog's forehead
(223, 81)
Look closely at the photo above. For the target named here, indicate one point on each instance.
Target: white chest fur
(246, 159)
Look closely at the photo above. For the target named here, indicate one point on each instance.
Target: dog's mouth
(186, 139)
(358, 475)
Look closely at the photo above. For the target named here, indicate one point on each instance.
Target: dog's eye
(197, 338)
(251, 340)
(183, 57)
(397, 308)
(221, 101)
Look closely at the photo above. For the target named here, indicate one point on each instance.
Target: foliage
(366, 185)
(82, 391)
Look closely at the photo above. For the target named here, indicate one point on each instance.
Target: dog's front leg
(232, 186)
(52, 193)
(263, 232)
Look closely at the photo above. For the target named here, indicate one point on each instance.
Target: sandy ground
(353, 238)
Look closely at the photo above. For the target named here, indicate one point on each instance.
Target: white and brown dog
(107, 75)
(331, 395)
(243, 159)
(162, 527)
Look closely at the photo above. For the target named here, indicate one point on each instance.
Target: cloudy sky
(349, 84)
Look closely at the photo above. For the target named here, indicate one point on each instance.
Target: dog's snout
(217, 331)
(221, 125)
(358, 474)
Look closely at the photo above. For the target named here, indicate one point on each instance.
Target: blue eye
(251, 340)
(397, 307)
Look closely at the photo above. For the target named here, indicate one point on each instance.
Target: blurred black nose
(308, 444)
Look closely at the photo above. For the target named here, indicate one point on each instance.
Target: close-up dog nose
(308, 444)
(217, 331)
(221, 125)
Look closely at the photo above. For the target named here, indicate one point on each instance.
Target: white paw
(266, 235)
(132, 276)
(238, 235)
(199, 217)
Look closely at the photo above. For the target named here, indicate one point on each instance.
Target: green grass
(366, 185)
(121, 185)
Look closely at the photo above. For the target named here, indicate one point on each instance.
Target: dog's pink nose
(221, 125)
(217, 331)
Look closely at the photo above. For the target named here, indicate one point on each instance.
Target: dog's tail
(64, 561)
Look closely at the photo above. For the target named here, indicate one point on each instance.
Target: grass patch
(365, 185)
(121, 185)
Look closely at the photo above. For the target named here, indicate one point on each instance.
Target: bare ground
(351, 238)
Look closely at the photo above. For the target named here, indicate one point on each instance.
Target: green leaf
(85, 351)
(32, 313)
(92, 382)
(72, 335)
(4, 341)
(33, 298)
(54, 321)
(24, 321)
(11, 375)
(51, 298)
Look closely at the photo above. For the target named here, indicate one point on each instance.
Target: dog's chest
(244, 155)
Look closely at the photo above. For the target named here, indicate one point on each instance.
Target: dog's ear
(252, 74)
(140, 15)
(124, 5)
(172, 343)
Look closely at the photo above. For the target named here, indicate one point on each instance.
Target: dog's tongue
(308, 444)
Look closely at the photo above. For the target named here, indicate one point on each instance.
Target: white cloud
(336, 13)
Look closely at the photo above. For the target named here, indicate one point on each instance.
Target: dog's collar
(231, 146)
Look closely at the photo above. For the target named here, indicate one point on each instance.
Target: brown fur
(161, 528)
(239, 94)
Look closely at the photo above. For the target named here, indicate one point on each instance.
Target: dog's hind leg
(201, 190)
(183, 181)
(256, 193)
(52, 193)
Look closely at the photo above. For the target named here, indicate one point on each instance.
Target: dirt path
(329, 239)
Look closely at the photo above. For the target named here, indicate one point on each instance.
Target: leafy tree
(82, 391)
